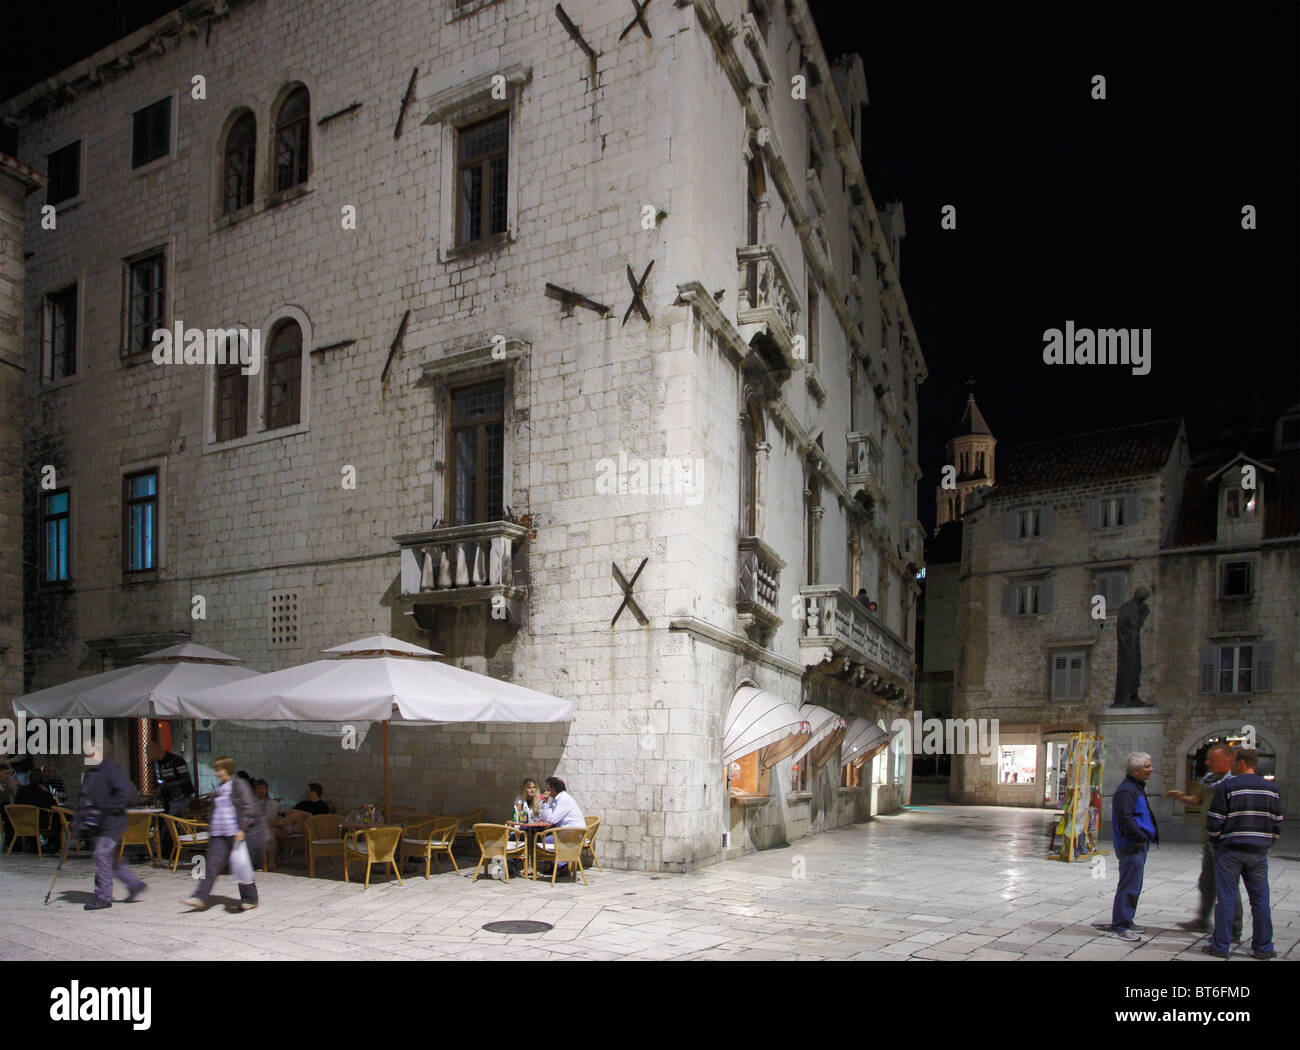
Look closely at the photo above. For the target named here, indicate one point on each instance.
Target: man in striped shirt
(1243, 823)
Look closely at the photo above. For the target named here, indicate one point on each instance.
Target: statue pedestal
(1129, 729)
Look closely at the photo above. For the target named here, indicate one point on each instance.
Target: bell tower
(971, 452)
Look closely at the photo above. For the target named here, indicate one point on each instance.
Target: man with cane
(108, 791)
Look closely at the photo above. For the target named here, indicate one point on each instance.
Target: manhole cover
(518, 926)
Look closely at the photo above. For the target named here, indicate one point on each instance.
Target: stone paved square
(944, 882)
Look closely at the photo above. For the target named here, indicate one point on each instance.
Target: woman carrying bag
(236, 827)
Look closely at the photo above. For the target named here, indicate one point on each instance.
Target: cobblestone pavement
(933, 882)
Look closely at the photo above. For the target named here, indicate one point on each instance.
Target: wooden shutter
(1132, 508)
(1009, 600)
(1046, 520)
(1209, 676)
(1044, 596)
(1092, 514)
(1010, 525)
(1060, 677)
(1263, 668)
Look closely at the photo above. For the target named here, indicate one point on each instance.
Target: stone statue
(1128, 659)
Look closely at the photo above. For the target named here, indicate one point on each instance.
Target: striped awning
(761, 721)
(823, 742)
(863, 741)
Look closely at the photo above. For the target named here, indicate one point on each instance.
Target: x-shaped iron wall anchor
(628, 601)
(639, 20)
(638, 287)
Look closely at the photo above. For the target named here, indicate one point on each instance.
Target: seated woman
(560, 810)
(270, 812)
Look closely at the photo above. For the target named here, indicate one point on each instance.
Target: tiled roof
(1103, 455)
(1198, 513)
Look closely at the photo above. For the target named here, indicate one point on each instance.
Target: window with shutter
(1209, 663)
(1009, 600)
(1091, 514)
(1068, 676)
(1236, 669)
(1044, 596)
(1112, 512)
(1132, 508)
(151, 132)
(1046, 520)
(1264, 668)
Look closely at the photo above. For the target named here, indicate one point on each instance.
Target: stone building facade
(16, 182)
(1116, 510)
(538, 306)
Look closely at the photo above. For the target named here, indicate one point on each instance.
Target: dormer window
(1241, 503)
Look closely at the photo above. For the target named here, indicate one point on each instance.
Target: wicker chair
(589, 842)
(140, 831)
(185, 834)
(374, 845)
(565, 849)
(494, 841)
(323, 840)
(428, 839)
(70, 840)
(26, 822)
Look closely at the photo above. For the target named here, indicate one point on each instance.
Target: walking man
(1134, 829)
(1218, 761)
(108, 791)
(1244, 822)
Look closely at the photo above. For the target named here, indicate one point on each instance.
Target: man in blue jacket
(109, 791)
(1134, 829)
(1244, 821)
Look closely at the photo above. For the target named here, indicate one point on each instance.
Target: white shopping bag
(241, 864)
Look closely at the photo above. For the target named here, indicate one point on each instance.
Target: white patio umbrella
(378, 679)
(148, 689)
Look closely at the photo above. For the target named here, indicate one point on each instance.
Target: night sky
(1123, 213)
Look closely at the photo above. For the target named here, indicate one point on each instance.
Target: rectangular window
(1110, 585)
(482, 175)
(1018, 764)
(478, 453)
(146, 300)
(54, 548)
(140, 527)
(151, 130)
(1241, 503)
(851, 775)
(1030, 523)
(1112, 511)
(1026, 599)
(1068, 676)
(742, 777)
(59, 338)
(1236, 668)
(1238, 579)
(63, 169)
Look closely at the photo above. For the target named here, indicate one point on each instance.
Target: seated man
(560, 810)
(53, 781)
(34, 793)
(292, 822)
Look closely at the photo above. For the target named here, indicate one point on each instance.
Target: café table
(531, 830)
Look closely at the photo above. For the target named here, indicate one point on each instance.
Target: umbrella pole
(387, 807)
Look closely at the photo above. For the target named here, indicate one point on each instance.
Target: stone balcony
(768, 305)
(838, 627)
(758, 585)
(465, 565)
(866, 465)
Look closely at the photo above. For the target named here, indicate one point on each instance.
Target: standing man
(1244, 822)
(1218, 761)
(108, 791)
(1134, 829)
(172, 777)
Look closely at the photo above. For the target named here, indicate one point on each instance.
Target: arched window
(284, 377)
(231, 413)
(240, 151)
(291, 140)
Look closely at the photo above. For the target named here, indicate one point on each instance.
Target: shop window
(1018, 764)
(851, 775)
(742, 777)
(800, 775)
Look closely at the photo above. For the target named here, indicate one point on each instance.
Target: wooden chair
(70, 841)
(26, 822)
(565, 849)
(185, 834)
(589, 842)
(323, 840)
(413, 818)
(199, 808)
(374, 845)
(494, 841)
(140, 831)
(429, 839)
(467, 821)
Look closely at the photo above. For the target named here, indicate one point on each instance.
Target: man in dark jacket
(1244, 821)
(110, 792)
(172, 778)
(1134, 829)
